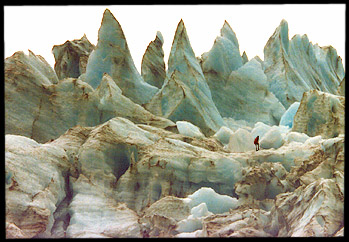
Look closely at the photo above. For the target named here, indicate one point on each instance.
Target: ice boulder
(215, 203)
(297, 137)
(189, 129)
(223, 135)
(287, 117)
(260, 129)
(200, 211)
(189, 225)
(194, 220)
(320, 113)
(241, 141)
(112, 56)
(272, 139)
(313, 140)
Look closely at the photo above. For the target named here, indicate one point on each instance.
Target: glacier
(93, 149)
(71, 57)
(153, 68)
(288, 116)
(239, 91)
(112, 56)
(287, 65)
(185, 94)
(320, 113)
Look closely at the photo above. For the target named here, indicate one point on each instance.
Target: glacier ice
(125, 168)
(320, 113)
(297, 137)
(215, 202)
(153, 68)
(223, 134)
(106, 218)
(185, 94)
(313, 140)
(36, 198)
(188, 129)
(194, 221)
(234, 124)
(113, 57)
(260, 129)
(249, 97)
(34, 103)
(341, 88)
(272, 139)
(25, 79)
(233, 83)
(224, 56)
(244, 58)
(241, 141)
(288, 62)
(288, 116)
(71, 57)
(200, 211)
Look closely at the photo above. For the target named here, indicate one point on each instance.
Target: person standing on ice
(256, 142)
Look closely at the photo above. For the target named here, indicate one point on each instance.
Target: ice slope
(153, 68)
(185, 95)
(113, 57)
(296, 66)
(71, 57)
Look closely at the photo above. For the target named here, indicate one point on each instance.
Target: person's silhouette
(256, 142)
